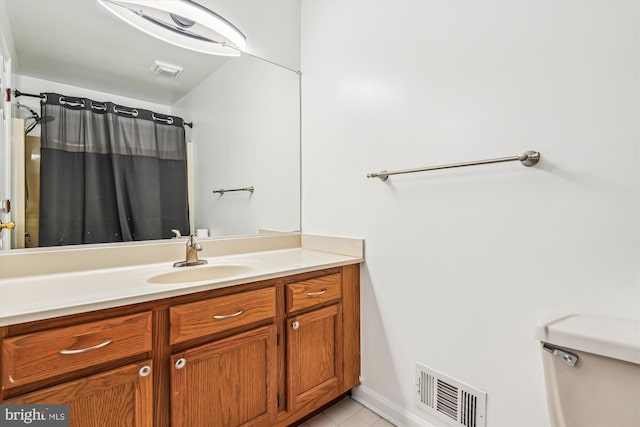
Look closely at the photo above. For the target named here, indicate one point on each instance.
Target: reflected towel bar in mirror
(528, 158)
(221, 191)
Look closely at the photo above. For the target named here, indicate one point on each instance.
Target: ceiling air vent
(165, 69)
(451, 400)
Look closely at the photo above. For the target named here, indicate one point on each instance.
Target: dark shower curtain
(110, 173)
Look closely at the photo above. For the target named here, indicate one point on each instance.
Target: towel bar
(528, 158)
(221, 191)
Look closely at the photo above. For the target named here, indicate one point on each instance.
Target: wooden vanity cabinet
(214, 315)
(322, 340)
(119, 397)
(28, 358)
(260, 354)
(314, 339)
(229, 382)
(314, 356)
(67, 354)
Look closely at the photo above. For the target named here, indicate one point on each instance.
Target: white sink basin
(198, 274)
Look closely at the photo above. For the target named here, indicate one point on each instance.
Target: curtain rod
(17, 93)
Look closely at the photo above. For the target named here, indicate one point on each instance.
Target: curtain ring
(97, 106)
(168, 120)
(133, 112)
(79, 103)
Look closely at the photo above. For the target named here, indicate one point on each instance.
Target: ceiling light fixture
(183, 23)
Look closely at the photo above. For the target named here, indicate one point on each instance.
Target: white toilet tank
(591, 370)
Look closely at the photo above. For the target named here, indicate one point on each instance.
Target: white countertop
(30, 298)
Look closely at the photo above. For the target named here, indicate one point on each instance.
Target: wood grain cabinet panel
(214, 315)
(227, 383)
(313, 292)
(120, 397)
(314, 356)
(32, 357)
(351, 325)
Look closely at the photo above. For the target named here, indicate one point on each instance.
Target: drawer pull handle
(315, 294)
(144, 371)
(228, 316)
(84, 350)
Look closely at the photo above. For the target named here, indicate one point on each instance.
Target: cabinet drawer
(32, 357)
(214, 315)
(312, 292)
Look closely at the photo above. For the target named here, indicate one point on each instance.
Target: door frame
(6, 155)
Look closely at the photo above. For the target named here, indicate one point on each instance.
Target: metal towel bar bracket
(221, 191)
(528, 158)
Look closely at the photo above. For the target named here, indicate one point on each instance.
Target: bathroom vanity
(263, 349)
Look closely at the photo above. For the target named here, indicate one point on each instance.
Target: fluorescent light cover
(209, 34)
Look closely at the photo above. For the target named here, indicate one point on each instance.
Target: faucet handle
(193, 248)
(191, 242)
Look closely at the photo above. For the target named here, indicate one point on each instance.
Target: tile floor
(347, 413)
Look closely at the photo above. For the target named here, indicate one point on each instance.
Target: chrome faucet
(193, 248)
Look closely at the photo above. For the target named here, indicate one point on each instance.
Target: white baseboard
(387, 409)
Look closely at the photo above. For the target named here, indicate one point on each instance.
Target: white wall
(246, 133)
(461, 264)
(6, 38)
(272, 27)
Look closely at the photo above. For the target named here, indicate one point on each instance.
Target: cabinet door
(314, 355)
(227, 383)
(120, 397)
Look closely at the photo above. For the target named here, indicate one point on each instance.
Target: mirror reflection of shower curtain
(107, 176)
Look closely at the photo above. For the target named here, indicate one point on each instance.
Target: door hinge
(277, 339)
(278, 401)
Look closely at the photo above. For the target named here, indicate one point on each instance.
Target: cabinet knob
(181, 363)
(295, 325)
(144, 371)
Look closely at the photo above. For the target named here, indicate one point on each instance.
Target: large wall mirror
(245, 112)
